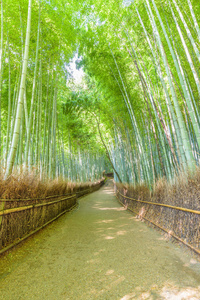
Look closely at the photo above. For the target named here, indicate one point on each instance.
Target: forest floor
(99, 251)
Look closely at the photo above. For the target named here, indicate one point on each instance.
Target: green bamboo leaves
(156, 53)
(142, 80)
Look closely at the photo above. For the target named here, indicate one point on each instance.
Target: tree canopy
(138, 102)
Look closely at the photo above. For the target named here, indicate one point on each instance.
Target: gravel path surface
(99, 251)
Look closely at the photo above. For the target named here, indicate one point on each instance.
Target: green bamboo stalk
(194, 72)
(1, 69)
(132, 116)
(15, 137)
(188, 31)
(32, 96)
(173, 119)
(194, 19)
(183, 130)
(9, 103)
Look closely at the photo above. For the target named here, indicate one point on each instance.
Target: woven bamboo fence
(23, 217)
(178, 222)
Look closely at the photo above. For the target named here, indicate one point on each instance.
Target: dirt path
(99, 251)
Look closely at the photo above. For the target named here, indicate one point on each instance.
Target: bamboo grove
(138, 102)
(146, 55)
(35, 136)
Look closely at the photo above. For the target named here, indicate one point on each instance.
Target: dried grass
(184, 192)
(28, 189)
(30, 186)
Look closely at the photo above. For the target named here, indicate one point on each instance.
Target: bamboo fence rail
(17, 209)
(156, 224)
(35, 231)
(160, 204)
(28, 216)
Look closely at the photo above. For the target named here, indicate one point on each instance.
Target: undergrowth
(29, 208)
(24, 186)
(183, 190)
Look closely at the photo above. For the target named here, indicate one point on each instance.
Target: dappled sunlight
(109, 272)
(161, 238)
(99, 252)
(123, 225)
(104, 232)
(93, 261)
(111, 208)
(179, 294)
(99, 230)
(122, 218)
(109, 237)
(104, 221)
(109, 286)
(133, 218)
(96, 206)
(129, 296)
(193, 261)
(122, 232)
(169, 292)
(144, 296)
(109, 192)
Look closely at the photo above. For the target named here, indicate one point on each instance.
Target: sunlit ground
(110, 208)
(167, 293)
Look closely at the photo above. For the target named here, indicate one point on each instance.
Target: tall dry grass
(183, 191)
(140, 192)
(28, 186)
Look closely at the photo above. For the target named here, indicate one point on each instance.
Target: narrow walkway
(98, 251)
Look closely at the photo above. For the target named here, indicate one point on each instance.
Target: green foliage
(141, 83)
